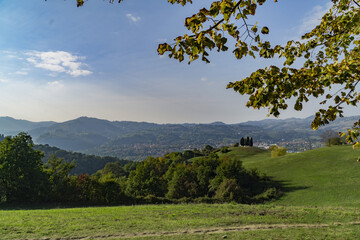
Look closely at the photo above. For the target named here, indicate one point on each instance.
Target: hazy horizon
(272, 118)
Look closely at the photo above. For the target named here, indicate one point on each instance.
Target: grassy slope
(178, 221)
(325, 177)
(319, 177)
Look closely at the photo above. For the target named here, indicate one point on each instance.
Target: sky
(59, 62)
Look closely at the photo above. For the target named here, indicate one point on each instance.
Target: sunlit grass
(321, 187)
(156, 219)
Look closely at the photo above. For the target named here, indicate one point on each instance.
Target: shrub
(337, 141)
(224, 149)
(277, 151)
(270, 193)
(229, 191)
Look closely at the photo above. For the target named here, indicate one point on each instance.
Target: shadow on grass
(48, 206)
(283, 188)
(287, 187)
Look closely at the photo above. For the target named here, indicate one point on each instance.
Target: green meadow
(326, 176)
(320, 200)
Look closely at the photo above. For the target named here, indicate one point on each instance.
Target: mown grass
(131, 221)
(321, 187)
(327, 176)
(331, 233)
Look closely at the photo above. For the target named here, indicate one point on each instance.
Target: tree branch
(220, 21)
(348, 95)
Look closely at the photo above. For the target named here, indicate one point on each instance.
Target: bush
(277, 151)
(224, 149)
(337, 141)
(270, 193)
(229, 191)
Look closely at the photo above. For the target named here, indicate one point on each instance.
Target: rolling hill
(84, 163)
(137, 140)
(326, 176)
(11, 126)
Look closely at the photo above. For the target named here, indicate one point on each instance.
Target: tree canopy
(329, 56)
(21, 175)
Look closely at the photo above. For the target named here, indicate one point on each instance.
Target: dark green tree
(247, 141)
(58, 171)
(183, 182)
(21, 170)
(242, 141)
(207, 150)
(251, 143)
(188, 154)
(229, 190)
(114, 168)
(88, 190)
(205, 169)
(148, 178)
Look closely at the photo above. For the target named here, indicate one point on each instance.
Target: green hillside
(321, 201)
(327, 176)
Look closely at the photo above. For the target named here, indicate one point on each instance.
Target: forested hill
(83, 163)
(11, 126)
(138, 140)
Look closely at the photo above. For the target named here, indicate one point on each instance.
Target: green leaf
(265, 30)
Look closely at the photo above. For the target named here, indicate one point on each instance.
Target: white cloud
(203, 79)
(10, 54)
(313, 18)
(133, 18)
(55, 84)
(21, 73)
(60, 62)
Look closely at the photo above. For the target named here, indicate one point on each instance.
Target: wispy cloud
(11, 54)
(60, 62)
(133, 18)
(203, 79)
(2, 80)
(313, 18)
(55, 84)
(20, 73)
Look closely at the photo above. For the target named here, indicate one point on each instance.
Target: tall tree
(247, 141)
(148, 178)
(328, 136)
(242, 141)
(21, 170)
(58, 171)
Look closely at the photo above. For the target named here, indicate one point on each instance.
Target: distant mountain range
(11, 126)
(137, 140)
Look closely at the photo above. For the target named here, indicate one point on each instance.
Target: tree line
(248, 141)
(85, 163)
(191, 176)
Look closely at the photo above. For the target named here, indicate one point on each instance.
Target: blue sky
(60, 62)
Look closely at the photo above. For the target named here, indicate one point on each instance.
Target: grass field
(327, 176)
(321, 201)
(179, 222)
